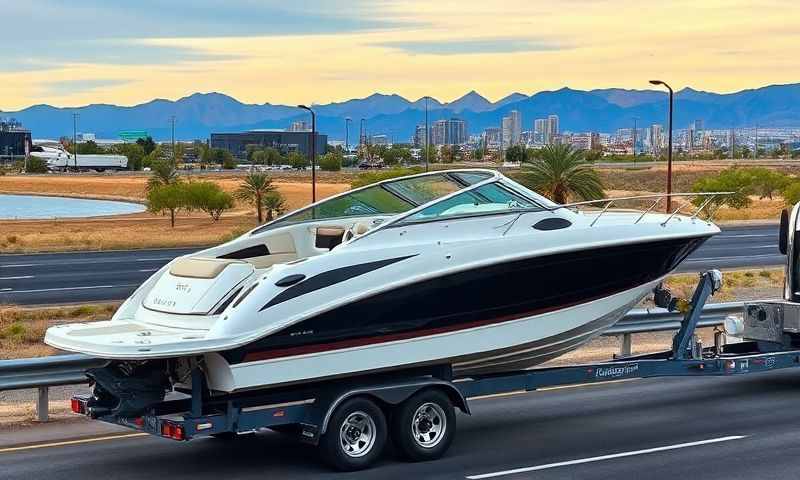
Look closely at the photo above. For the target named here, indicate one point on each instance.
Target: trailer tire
(424, 425)
(356, 435)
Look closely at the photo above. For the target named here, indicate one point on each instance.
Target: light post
(427, 134)
(313, 152)
(634, 141)
(174, 157)
(347, 122)
(75, 138)
(669, 144)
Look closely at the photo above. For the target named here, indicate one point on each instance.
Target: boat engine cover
(178, 293)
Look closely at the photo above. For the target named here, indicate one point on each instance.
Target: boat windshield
(387, 198)
(486, 199)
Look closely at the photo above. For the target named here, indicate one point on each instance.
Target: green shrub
(297, 160)
(207, 197)
(36, 165)
(735, 180)
(331, 162)
(791, 193)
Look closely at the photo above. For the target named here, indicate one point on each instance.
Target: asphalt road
(742, 427)
(80, 277)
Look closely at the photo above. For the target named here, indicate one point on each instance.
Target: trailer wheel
(356, 435)
(424, 426)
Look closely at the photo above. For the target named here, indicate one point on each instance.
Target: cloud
(69, 87)
(470, 47)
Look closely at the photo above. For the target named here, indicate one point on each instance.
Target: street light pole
(174, 157)
(669, 144)
(347, 121)
(427, 134)
(634, 140)
(75, 138)
(313, 153)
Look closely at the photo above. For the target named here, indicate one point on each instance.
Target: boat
(464, 268)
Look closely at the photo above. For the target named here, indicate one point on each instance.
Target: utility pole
(347, 121)
(634, 141)
(427, 135)
(74, 138)
(174, 157)
(313, 153)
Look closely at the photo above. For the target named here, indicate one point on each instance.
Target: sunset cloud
(268, 51)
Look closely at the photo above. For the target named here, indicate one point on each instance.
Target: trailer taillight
(77, 406)
(174, 432)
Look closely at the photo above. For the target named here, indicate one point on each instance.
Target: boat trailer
(351, 418)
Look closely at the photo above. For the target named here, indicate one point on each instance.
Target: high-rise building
(492, 137)
(539, 131)
(300, 126)
(419, 136)
(584, 141)
(516, 126)
(449, 132)
(690, 140)
(552, 127)
(505, 132)
(655, 138)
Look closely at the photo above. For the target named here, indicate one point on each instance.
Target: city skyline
(331, 51)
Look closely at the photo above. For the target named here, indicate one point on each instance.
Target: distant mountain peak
(472, 101)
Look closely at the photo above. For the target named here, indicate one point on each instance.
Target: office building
(552, 127)
(540, 131)
(516, 127)
(14, 139)
(583, 141)
(449, 132)
(301, 126)
(655, 138)
(492, 137)
(419, 137)
(505, 132)
(283, 141)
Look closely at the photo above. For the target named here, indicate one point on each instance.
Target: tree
(735, 180)
(297, 160)
(207, 197)
(252, 191)
(516, 154)
(134, 152)
(89, 147)
(331, 161)
(163, 173)
(228, 162)
(561, 173)
(166, 198)
(593, 155)
(274, 205)
(35, 165)
(791, 193)
(766, 182)
(147, 144)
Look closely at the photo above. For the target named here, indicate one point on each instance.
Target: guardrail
(43, 373)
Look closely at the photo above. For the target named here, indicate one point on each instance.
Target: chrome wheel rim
(357, 434)
(428, 425)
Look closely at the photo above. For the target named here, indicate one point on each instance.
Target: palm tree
(253, 190)
(163, 173)
(274, 204)
(561, 172)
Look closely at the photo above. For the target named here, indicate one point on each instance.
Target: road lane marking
(148, 270)
(5, 289)
(606, 457)
(72, 442)
(21, 277)
(39, 290)
(760, 255)
(14, 265)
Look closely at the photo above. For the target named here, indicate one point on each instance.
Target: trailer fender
(392, 394)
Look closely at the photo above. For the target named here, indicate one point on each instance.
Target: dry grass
(737, 284)
(141, 230)
(22, 329)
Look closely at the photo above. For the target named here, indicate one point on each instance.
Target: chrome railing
(608, 202)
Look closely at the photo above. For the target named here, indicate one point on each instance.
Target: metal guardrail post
(43, 404)
(627, 345)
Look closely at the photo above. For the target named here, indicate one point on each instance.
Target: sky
(73, 53)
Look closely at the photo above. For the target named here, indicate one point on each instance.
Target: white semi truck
(59, 159)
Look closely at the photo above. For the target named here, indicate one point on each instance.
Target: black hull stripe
(331, 277)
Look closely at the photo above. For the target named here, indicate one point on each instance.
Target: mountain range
(602, 110)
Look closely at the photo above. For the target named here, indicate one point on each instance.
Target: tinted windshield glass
(490, 198)
(422, 190)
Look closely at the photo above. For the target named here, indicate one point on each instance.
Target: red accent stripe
(358, 342)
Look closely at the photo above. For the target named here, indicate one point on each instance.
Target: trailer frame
(308, 409)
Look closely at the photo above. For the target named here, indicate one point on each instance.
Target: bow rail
(608, 202)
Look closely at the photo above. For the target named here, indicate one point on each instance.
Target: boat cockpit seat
(356, 230)
(281, 249)
(199, 267)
